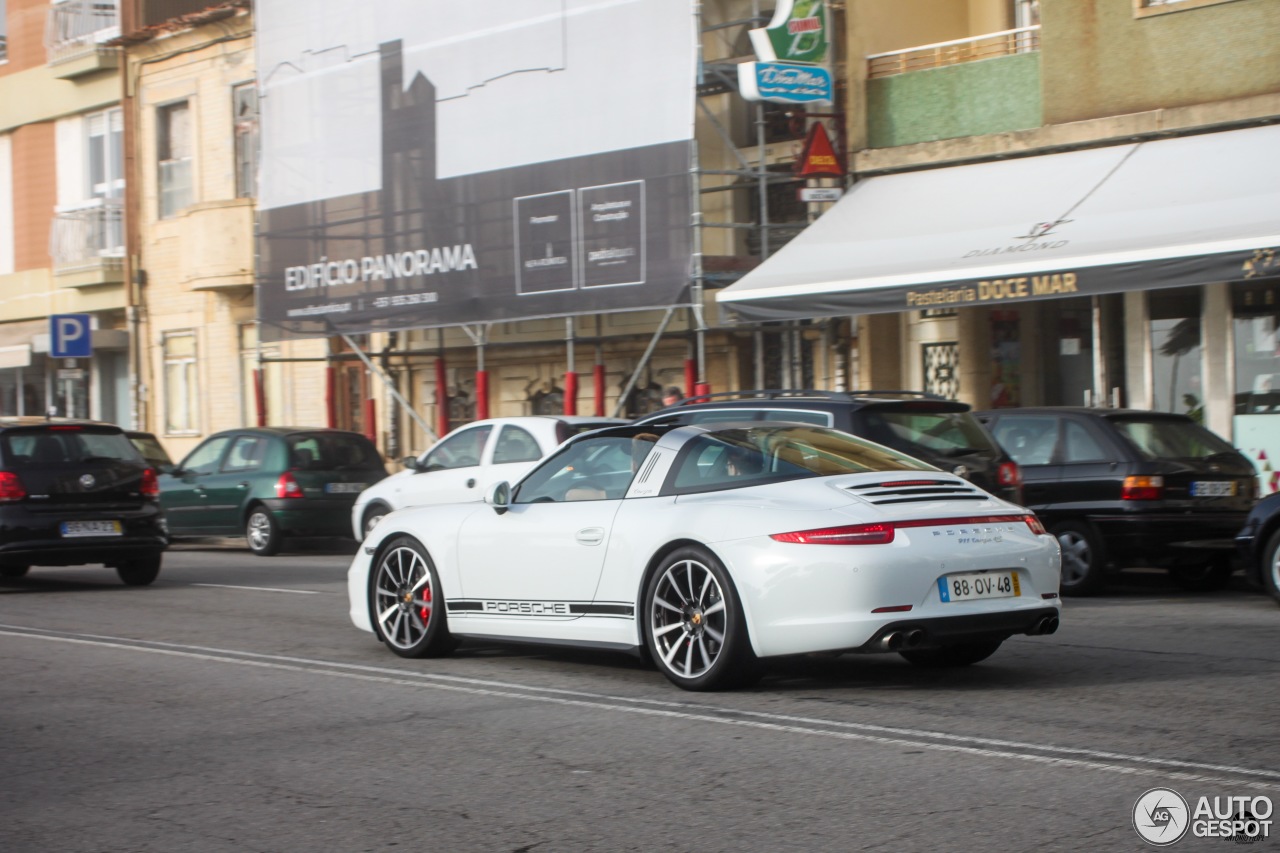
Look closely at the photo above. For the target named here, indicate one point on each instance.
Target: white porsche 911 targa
(713, 546)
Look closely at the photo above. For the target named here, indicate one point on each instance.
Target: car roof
(284, 431)
(27, 421)
(1088, 411)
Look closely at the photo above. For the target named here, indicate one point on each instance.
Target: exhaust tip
(1052, 625)
(893, 641)
(914, 638)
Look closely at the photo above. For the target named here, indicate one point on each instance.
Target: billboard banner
(429, 163)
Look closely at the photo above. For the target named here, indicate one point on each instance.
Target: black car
(1259, 544)
(270, 483)
(1130, 488)
(941, 432)
(75, 492)
(151, 449)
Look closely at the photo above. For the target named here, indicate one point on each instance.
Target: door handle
(590, 536)
(471, 483)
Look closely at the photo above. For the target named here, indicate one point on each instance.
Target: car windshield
(66, 446)
(936, 433)
(1170, 438)
(150, 449)
(331, 452)
(732, 458)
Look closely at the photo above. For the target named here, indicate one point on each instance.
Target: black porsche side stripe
(551, 609)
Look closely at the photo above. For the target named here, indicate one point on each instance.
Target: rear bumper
(939, 631)
(1168, 535)
(309, 517)
(35, 538)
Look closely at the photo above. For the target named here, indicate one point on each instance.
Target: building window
(1257, 332)
(4, 34)
(173, 150)
(1175, 352)
(1145, 8)
(244, 103)
(942, 369)
(181, 388)
(106, 154)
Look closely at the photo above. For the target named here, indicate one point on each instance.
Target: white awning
(1165, 213)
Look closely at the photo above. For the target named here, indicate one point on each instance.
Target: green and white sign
(797, 33)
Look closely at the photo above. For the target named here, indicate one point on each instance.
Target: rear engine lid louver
(917, 490)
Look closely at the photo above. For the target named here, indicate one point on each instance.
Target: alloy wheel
(403, 601)
(1076, 558)
(688, 619)
(259, 530)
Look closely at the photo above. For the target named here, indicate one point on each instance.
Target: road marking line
(260, 588)
(669, 710)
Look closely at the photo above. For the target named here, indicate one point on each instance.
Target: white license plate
(978, 585)
(344, 488)
(1213, 489)
(72, 529)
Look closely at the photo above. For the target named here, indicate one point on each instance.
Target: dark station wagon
(270, 483)
(1123, 487)
(75, 492)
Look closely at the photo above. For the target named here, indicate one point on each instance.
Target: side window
(515, 445)
(816, 418)
(1080, 446)
(247, 453)
(460, 450)
(593, 469)
(1029, 439)
(204, 459)
(719, 416)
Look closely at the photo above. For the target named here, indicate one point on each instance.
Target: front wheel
(13, 571)
(695, 629)
(140, 571)
(1271, 567)
(1083, 561)
(406, 605)
(961, 654)
(262, 532)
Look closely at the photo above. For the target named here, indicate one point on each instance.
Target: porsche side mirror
(499, 496)
(410, 462)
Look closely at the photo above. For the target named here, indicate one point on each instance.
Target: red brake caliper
(425, 613)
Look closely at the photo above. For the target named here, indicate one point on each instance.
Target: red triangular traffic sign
(819, 158)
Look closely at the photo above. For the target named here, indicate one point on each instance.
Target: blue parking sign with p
(70, 336)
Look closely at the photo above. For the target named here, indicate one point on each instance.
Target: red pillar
(598, 380)
(702, 389)
(571, 393)
(330, 383)
(259, 397)
(442, 398)
(690, 376)
(482, 395)
(371, 420)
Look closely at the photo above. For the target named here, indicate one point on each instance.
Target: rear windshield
(1170, 438)
(938, 433)
(332, 452)
(60, 447)
(150, 449)
(733, 458)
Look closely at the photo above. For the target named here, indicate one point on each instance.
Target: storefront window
(1175, 352)
(22, 390)
(1256, 308)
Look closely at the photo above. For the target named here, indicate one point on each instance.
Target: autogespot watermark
(1163, 817)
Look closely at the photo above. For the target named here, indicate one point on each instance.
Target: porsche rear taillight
(150, 486)
(849, 534)
(882, 533)
(287, 486)
(1142, 489)
(11, 488)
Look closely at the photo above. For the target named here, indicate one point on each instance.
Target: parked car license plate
(978, 585)
(1213, 489)
(90, 528)
(344, 488)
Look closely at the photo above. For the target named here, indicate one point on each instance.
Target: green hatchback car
(270, 483)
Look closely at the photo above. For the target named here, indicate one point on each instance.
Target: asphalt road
(232, 707)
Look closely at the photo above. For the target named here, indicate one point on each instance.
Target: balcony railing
(77, 27)
(1005, 43)
(88, 236)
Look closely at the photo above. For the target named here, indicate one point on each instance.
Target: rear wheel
(405, 602)
(139, 572)
(13, 571)
(262, 532)
(694, 625)
(961, 654)
(1271, 567)
(1208, 576)
(1083, 561)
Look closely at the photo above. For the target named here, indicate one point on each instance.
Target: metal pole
(644, 360)
(696, 289)
(390, 386)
